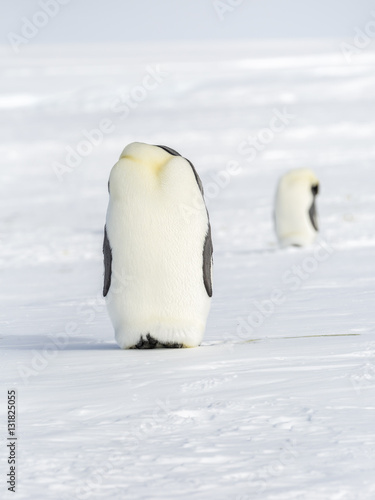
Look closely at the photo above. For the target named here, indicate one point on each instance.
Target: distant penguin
(295, 211)
(157, 250)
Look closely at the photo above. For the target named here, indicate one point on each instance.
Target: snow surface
(276, 405)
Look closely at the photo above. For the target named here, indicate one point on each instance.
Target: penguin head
(301, 184)
(146, 155)
(139, 163)
(146, 170)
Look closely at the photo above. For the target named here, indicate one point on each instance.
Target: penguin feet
(151, 343)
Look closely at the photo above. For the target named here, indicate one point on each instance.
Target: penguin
(157, 250)
(295, 209)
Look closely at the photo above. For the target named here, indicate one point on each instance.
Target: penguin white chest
(158, 287)
(295, 208)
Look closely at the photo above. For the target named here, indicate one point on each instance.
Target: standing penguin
(157, 250)
(295, 210)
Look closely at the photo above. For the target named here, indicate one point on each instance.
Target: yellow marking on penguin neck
(155, 166)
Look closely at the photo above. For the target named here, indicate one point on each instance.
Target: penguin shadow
(51, 343)
(269, 250)
(257, 251)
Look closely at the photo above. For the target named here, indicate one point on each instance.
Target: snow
(278, 403)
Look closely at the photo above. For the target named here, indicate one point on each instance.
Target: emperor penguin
(157, 250)
(295, 210)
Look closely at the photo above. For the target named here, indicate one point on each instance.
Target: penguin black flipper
(312, 211)
(207, 261)
(107, 252)
(313, 217)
